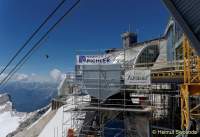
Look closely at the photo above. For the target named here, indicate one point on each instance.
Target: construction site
(144, 89)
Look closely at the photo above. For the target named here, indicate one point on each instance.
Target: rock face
(31, 127)
(9, 118)
(12, 123)
(5, 103)
(4, 98)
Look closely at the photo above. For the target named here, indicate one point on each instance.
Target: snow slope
(46, 113)
(61, 122)
(8, 123)
(9, 119)
(54, 124)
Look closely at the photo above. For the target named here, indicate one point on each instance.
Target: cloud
(16, 77)
(33, 74)
(56, 74)
(33, 77)
(26, 78)
(21, 77)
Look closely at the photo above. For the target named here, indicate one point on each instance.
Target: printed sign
(137, 77)
(93, 59)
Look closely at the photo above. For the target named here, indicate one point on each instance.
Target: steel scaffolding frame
(191, 86)
(89, 107)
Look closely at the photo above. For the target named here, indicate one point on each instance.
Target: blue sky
(94, 24)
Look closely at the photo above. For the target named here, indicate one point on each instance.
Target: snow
(46, 113)
(3, 106)
(7, 104)
(9, 119)
(62, 120)
(54, 124)
(4, 94)
(8, 123)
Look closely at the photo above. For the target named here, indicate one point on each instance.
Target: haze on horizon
(91, 25)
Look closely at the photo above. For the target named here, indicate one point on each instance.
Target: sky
(92, 25)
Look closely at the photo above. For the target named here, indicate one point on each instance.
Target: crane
(187, 14)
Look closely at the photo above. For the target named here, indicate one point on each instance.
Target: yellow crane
(187, 14)
(191, 86)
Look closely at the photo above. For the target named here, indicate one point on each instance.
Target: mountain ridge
(30, 96)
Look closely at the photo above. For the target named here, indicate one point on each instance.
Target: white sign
(93, 59)
(137, 77)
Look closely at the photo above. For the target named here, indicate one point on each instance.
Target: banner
(93, 59)
(137, 77)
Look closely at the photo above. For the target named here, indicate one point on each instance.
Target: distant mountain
(30, 96)
(9, 118)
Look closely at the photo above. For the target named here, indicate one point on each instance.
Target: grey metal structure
(101, 81)
(186, 13)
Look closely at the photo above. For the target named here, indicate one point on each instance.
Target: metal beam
(195, 42)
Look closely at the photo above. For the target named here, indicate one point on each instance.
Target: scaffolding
(154, 106)
(190, 88)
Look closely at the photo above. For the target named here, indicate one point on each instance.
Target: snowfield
(9, 119)
(54, 124)
(46, 113)
(61, 122)
(56, 127)
(9, 122)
